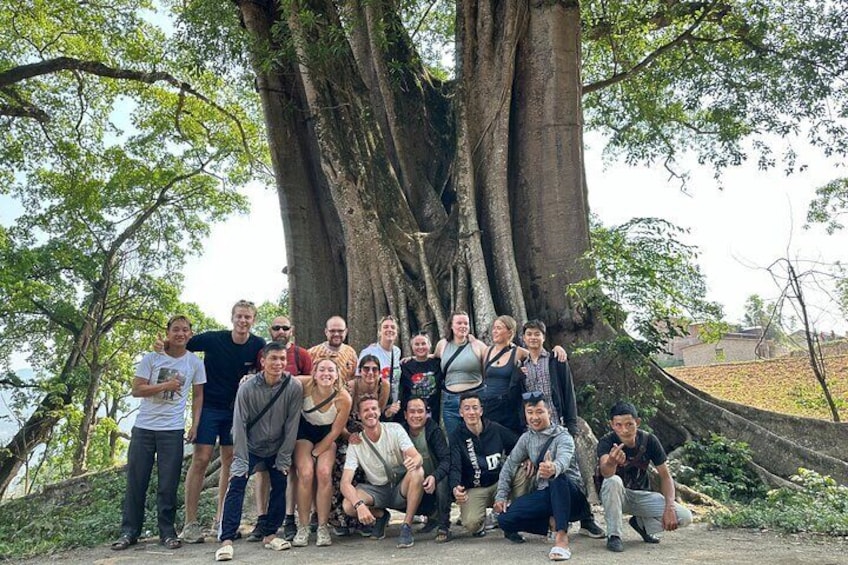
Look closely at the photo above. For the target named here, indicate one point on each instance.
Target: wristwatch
(359, 503)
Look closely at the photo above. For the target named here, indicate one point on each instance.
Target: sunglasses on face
(370, 369)
(278, 328)
(533, 396)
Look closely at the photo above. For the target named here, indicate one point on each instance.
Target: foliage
(722, 469)
(118, 160)
(664, 78)
(83, 512)
(431, 25)
(829, 205)
(648, 281)
(765, 315)
(785, 385)
(267, 311)
(820, 505)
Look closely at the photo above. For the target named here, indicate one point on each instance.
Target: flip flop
(278, 544)
(559, 553)
(224, 553)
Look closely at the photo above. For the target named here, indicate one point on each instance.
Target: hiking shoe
(255, 535)
(588, 527)
(646, 537)
(341, 531)
(301, 538)
(378, 531)
(324, 539)
(514, 537)
(289, 530)
(405, 539)
(192, 533)
(614, 544)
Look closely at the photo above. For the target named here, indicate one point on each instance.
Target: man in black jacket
(430, 442)
(545, 374)
(478, 449)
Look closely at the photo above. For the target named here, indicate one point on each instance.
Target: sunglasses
(533, 396)
(278, 328)
(369, 369)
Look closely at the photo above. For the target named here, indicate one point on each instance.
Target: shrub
(722, 469)
(820, 505)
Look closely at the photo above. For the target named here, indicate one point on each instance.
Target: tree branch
(23, 72)
(650, 58)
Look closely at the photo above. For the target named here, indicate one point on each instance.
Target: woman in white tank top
(326, 407)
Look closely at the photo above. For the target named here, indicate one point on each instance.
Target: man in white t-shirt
(162, 381)
(383, 451)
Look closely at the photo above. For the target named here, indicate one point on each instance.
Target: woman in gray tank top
(462, 367)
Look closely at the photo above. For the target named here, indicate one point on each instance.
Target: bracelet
(359, 503)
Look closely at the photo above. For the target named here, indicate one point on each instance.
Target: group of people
(341, 439)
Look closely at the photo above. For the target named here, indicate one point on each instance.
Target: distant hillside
(786, 384)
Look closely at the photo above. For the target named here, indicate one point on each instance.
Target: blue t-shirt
(226, 363)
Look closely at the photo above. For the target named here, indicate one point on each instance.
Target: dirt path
(696, 544)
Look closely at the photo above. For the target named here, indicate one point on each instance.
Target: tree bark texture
(404, 195)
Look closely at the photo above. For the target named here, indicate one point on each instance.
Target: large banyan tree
(405, 194)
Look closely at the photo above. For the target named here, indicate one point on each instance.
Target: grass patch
(819, 506)
(81, 512)
(785, 385)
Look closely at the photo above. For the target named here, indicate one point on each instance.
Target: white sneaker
(324, 538)
(491, 521)
(301, 538)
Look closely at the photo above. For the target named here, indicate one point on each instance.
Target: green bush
(722, 470)
(82, 512)
(820, 505)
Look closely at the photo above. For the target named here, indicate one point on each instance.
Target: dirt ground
(696, 544)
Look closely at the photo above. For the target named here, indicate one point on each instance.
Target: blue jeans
(450, 412)
(167, 448)
(234, 501)
(531, 512)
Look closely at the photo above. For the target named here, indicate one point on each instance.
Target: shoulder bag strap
(321, 404)
(453, 357)
(490, 362)
(541, 456)
(271, 402)
(390, 474)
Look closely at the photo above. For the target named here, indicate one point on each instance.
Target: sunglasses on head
(278, 328)
(533, 396)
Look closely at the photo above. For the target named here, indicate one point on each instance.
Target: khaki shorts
(385, 496)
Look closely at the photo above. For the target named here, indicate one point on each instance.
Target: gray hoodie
(529, 447)
(275, 433)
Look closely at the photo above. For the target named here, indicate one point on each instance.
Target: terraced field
(783, 385)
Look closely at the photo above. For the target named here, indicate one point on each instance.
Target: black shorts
(311, 432)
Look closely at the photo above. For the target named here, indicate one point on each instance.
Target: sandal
(443, 536)
(559, 553)
(123, 542)
(172, 543)
(224, 553)
(278, 544)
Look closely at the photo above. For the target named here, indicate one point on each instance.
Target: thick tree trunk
(431, 203)
(550, 208)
